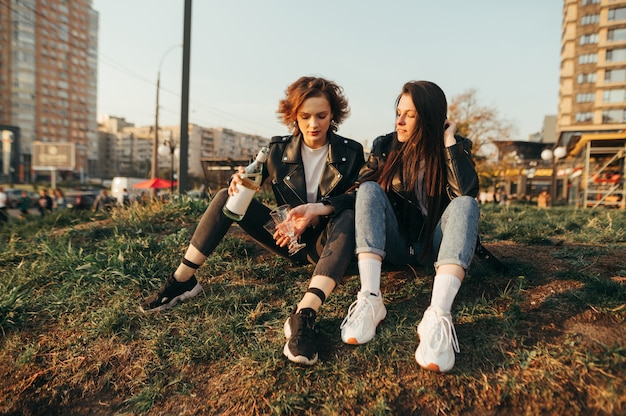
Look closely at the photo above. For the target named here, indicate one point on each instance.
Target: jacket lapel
(295, 176)
(332, 175)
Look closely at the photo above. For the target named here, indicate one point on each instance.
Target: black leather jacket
(461, 176)
(286, 171)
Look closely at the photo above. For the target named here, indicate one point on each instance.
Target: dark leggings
(330, 246)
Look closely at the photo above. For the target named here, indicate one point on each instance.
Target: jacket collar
(336, 152)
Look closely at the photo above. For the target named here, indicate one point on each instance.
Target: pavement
(15, 213)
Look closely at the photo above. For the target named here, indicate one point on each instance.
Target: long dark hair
(423, 151)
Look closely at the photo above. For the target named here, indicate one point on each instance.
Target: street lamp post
(530, 174)
(170, 147)
(154, 166)
(554, 156)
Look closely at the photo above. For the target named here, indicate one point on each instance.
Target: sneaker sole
(298, 359)
(428, 366)
(354, 341)
(197, 289)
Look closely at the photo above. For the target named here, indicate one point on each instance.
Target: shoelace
(170, 282)
(162, 292)
(447, 333)
(357, 310)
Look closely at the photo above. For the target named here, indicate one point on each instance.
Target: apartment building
(126, 150)
(48, 80)
(236, 145)
(592, 101)
(209, 142)
(592, 95)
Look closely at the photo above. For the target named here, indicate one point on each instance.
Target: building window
(589, 38)
(586, 2)
(616, 35)
(588, 97)
(614, 116)
(616, 55)
(587, 78)
(614, 96)
(584, 117)
(615, 75)
(590, 58)
(617, 14)
(590, 19)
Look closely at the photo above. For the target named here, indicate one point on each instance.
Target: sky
(244, 53)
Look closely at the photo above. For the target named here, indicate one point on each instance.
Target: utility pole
(154, 165)
(184, 105)
(155, 145)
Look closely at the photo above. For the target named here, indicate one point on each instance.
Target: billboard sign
(59, 156)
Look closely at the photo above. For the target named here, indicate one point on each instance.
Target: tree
(479, 123)
(483, 126)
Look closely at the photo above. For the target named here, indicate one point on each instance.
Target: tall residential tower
(48, 78)
(592, 103)
(592, 95)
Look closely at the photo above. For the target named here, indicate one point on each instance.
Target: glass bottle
(237, 204)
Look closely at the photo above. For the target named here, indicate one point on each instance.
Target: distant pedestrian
(543, 199)
(24, 204)
(45, 202)
(103, 202)
(4, 200)
(59, 199)
(126, 197)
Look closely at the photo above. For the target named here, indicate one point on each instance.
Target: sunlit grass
(73, 339)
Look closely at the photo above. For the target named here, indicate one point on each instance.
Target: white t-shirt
(314, 161)
(3, 199)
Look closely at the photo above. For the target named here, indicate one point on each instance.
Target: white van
(120, 183)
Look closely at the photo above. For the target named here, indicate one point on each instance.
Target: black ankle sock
(317, 292)
(190, 264)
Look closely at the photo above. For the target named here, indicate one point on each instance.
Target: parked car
(81, 199)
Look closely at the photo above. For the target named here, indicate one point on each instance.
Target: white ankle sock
(369, 270)
(445, 288)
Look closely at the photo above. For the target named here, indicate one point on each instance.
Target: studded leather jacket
(285, 169)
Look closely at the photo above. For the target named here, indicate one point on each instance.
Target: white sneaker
(364, 315)
(438, 341)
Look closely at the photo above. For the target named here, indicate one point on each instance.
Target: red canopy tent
(155, 183)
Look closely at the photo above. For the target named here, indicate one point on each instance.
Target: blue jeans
(377, 230)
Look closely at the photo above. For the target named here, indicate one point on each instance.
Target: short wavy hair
(307, 87)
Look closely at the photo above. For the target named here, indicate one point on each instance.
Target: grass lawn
(545, 337)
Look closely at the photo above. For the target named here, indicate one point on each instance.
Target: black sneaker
(170, 293)
(300, 332)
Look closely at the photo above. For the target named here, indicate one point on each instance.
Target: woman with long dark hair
(415, 204)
